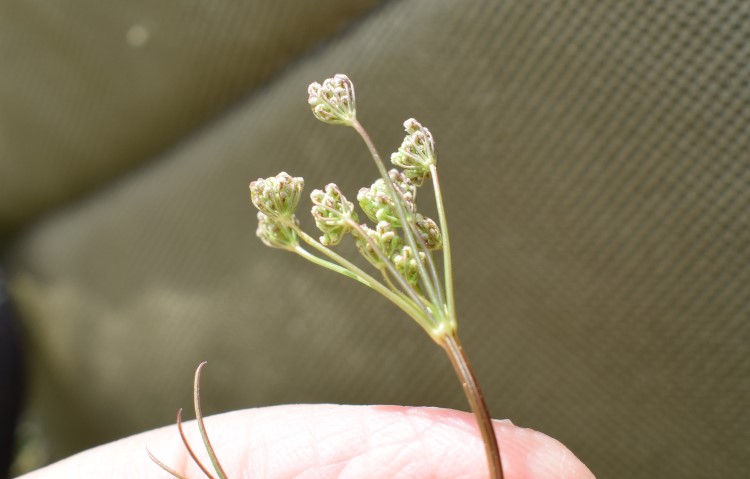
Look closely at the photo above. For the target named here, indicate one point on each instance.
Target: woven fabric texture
(92, 89)
(595, 160)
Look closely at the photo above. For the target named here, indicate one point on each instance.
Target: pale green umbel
(333, 101)
(333, 214)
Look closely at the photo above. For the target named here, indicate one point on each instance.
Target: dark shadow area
(11, 378)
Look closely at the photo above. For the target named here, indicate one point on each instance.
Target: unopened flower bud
(333, 214)
(384, 238)
(406, 264)
(272, 232)
(429, 232)
(377, 203)
(333, 101)
(417, 152)
(278, 195)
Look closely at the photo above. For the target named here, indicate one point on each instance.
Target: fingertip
(395, 441)
(526, 453)
(529, 454)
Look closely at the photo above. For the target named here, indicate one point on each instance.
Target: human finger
(330, 441)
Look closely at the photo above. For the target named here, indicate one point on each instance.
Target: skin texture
(330, 441)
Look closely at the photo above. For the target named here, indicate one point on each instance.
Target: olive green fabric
(595, 160)
(90, 89)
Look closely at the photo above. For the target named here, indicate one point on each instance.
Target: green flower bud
(278, 195)
(384, 238)
(406, 264)
(276, 234)
(333, 214)
(417, 152)
(333, 101)
(429, 232)
(377, 203)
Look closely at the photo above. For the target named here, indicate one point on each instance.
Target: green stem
(201, 427)
(327, 264)
(447, 265)
(398, 299)
(387, 279)
(460, 363)
(164, 466)
(430, 286)
(405, 286)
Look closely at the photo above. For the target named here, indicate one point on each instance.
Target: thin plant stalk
(166, 468)
(447, 262)
(204, 436)
(461, 365)
(395, 297)
(187, 444)
(450, 341)
(430, 285)
(201, 426)
(376, 285)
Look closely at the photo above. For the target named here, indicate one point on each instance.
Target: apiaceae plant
(400, 244)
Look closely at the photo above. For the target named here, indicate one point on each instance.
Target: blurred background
(595, 160)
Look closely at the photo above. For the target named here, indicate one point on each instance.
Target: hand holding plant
(399, 244)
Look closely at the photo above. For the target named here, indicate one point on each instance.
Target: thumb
(331, 441)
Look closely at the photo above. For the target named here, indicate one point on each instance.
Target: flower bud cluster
(275, 233)
(417, 152)
(402, 241)
(333, 214)
(377, 203)
(379, 206)
(333, 101)
(278, 195)
(384, 238)
(429, 232)
(406, 264)
(277, 198)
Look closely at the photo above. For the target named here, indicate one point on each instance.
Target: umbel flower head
(278, 195)
(405, 262)
(333, 214)
(384, 238)
(429, 232)
(272, 232)
(377, 203)
(417, 151)
(333, 101)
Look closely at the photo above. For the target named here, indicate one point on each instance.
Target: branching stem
(429, 286)
(406, 304)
